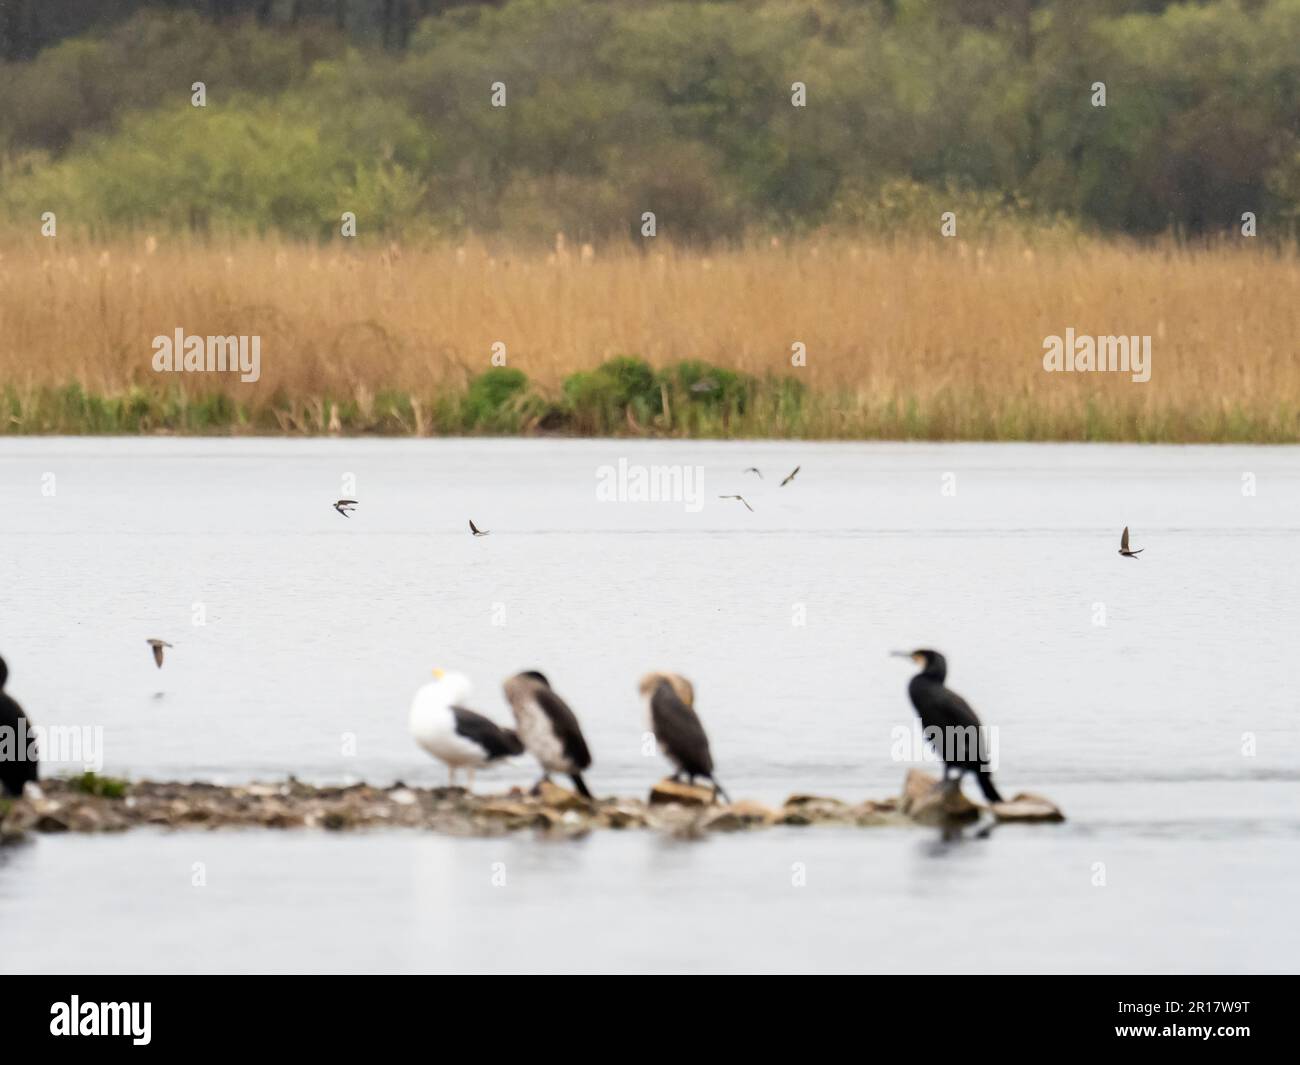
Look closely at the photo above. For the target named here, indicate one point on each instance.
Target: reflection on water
(318, 628)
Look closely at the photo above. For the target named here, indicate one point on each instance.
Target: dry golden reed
(938, 338)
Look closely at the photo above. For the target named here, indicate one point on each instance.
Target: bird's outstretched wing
(1123, 540)
(678, 728)
(565, 723)
(158, 655)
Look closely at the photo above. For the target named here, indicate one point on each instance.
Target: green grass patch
(102, 787)
(626, 396)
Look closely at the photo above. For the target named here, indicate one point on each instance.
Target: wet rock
(739, 815)
(802, 799)
(558, 798)
(925, 801)
(506, 809)
(670, 791)
(874, 813)
(622, 815)
(1027, 807)
(813, 810)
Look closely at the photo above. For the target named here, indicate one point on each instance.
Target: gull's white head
(452, 685)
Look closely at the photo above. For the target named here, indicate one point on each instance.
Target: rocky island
(91, 803)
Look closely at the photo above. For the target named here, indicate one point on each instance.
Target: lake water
(1151, 699)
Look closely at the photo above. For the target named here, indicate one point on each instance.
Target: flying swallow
(741, 498)
(1123, 546)
(791, 477)
(476, 530)
(158, 646)
(345, 506)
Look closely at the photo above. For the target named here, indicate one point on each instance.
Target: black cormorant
(961, 736)
(16, 769)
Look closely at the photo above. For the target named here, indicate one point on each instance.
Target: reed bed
(937, 339)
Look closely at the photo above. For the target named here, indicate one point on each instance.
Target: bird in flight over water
(791, 477)
(476, 530)
(1123, 546)
(158, 646)
(753, 469)
(742, 499)
(345, 506)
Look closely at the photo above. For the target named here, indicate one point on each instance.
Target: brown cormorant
(548, 728)
(670, 708)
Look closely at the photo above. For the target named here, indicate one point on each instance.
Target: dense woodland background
(615, 107)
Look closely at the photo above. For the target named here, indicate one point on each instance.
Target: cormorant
(457, 736)
(670, 710)
(158, 646)
(548, 728)
(943, 709)
(16, 769)
(1123, 546)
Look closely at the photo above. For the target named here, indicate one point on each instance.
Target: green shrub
(705, 386)
(493, 395)
(601, 399)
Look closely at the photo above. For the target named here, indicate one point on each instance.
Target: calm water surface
(318, 629)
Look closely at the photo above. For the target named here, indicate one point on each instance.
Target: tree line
(1133, 116)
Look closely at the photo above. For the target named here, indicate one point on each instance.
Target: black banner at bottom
(329, 1014)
